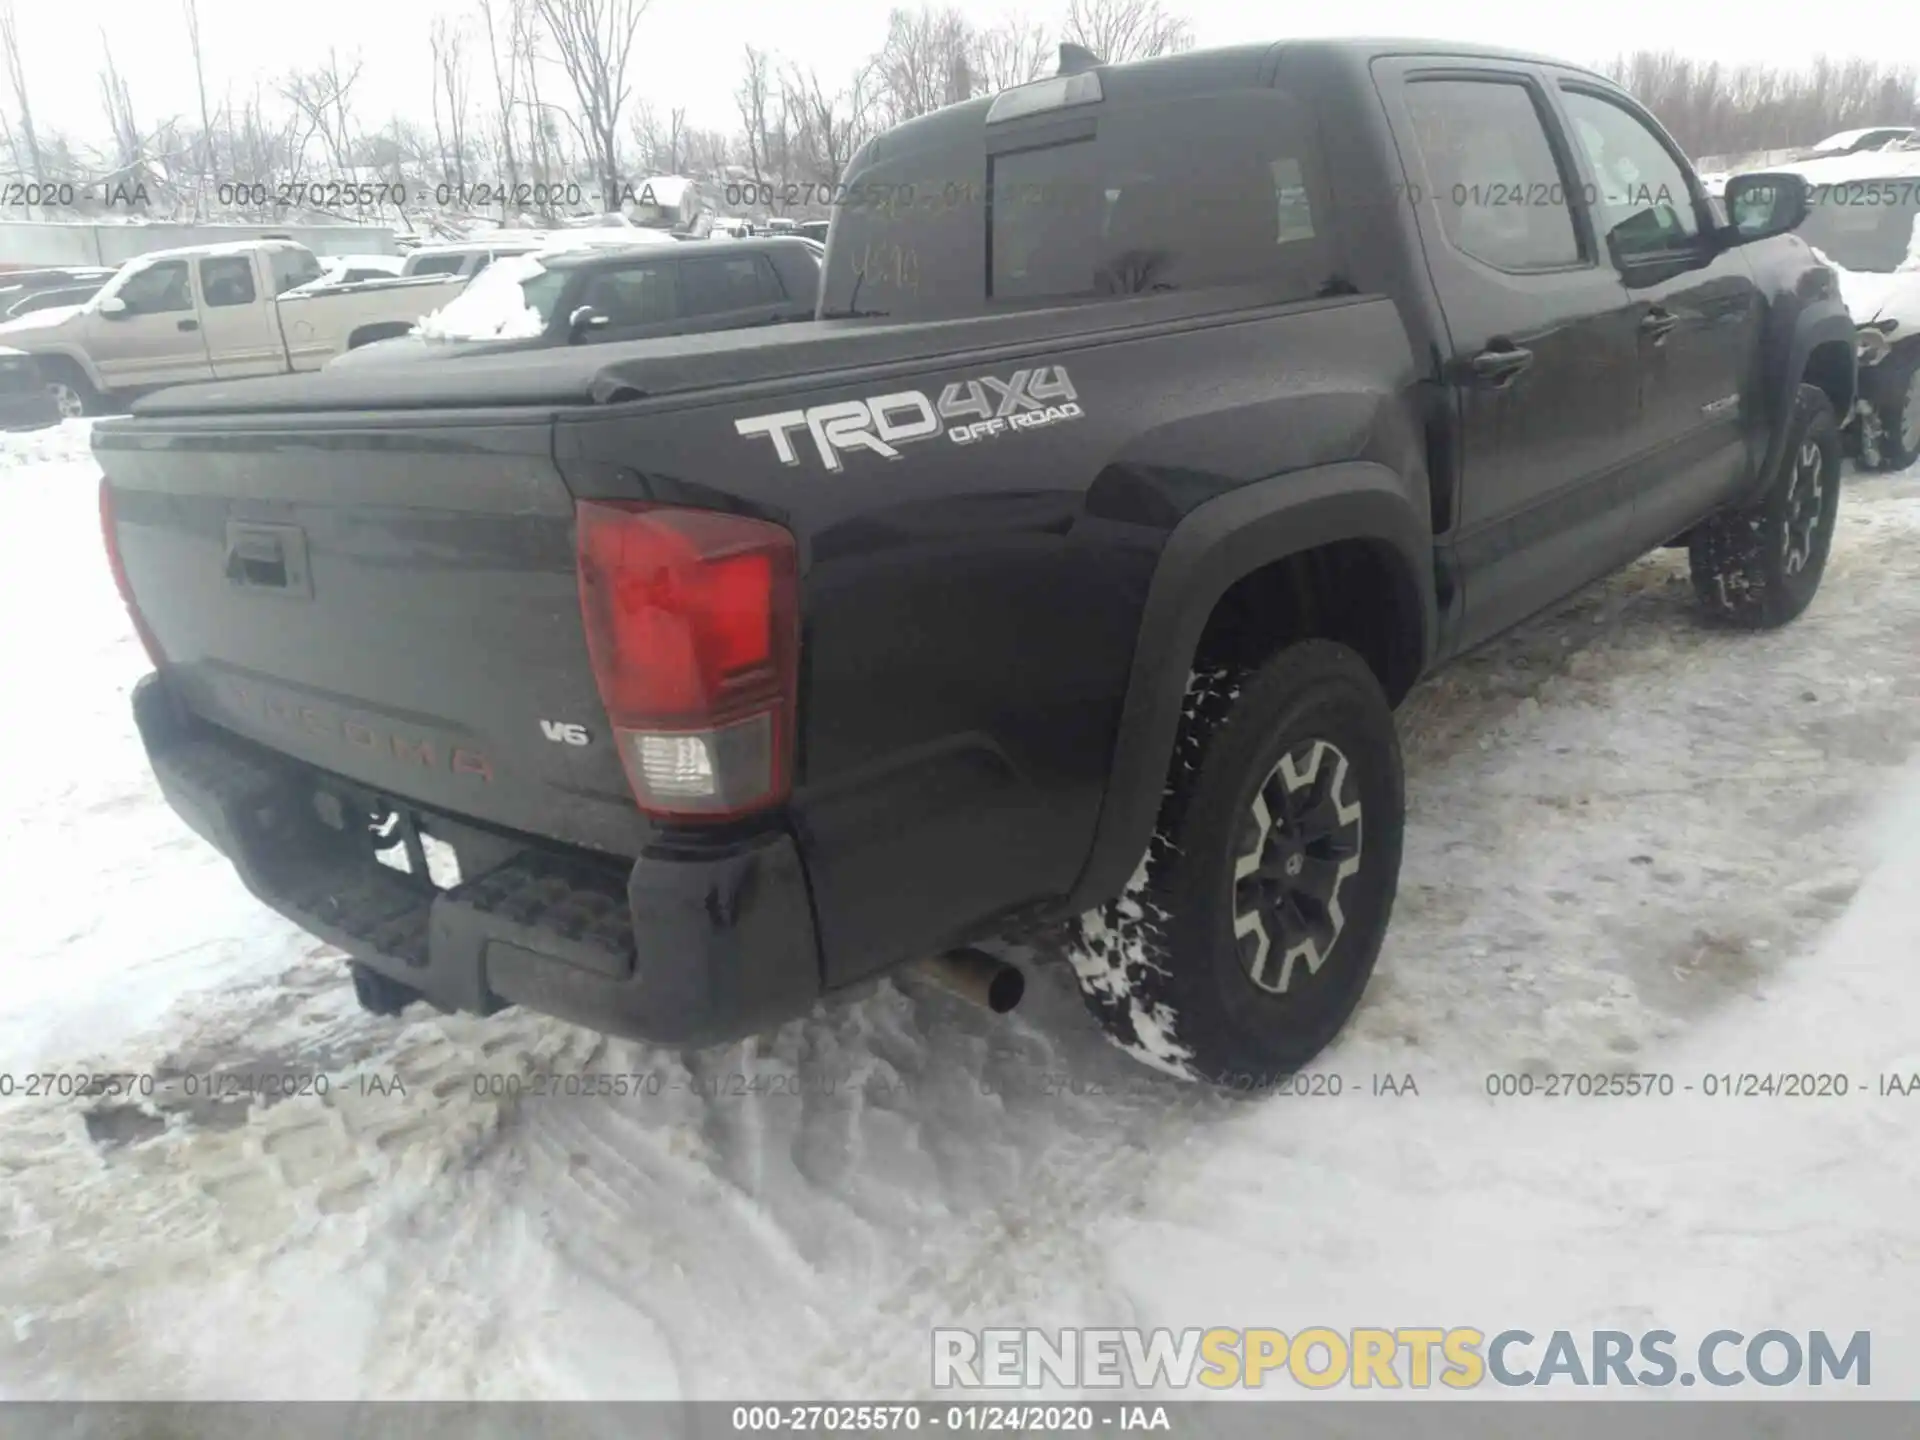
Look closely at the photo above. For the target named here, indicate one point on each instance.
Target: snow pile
(492, 307)
(68, 444)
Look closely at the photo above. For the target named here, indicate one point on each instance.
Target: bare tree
(127, 153)
(17, 78)
(662, 144)
(832, 123)
(763, 117)
(1118, 30)
(506, 79)
(1719, 110)
(595, 40)
(205, 162)
(448, 44)
(924, 63)
(320, 98)
(708, 152)
(1010, 53)
(542, 133)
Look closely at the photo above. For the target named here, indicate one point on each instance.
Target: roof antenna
(1075, 58)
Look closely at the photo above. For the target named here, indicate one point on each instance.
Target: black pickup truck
(1162, 424)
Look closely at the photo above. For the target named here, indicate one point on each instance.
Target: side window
(227, 280)
(732, 282)
(436, 265)
(158, 290)
(635, 295)
(1209, 191)
(1644, 206)
(290, 268)
(1492, 173)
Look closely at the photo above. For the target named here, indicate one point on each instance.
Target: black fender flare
(1214, 546)
(1822, 323)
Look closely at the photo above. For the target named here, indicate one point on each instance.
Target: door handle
(1498, 367)
(1657, 324)
(187, 325)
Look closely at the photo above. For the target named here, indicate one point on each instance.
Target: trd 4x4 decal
(968, 410)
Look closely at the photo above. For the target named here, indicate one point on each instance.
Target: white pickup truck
(212, 312)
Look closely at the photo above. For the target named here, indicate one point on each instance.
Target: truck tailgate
(392, 602)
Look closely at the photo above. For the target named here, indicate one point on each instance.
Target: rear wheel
(1249, 931)
(1759, 566)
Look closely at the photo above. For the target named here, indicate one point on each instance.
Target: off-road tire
(1169, 968)
(1899, 410)
(1760, 565)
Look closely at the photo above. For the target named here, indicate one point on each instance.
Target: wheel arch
(55, 361)
(1820, 353)
(1354, 520)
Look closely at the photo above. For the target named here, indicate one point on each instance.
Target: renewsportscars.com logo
(1364, 1358)
(967, 411)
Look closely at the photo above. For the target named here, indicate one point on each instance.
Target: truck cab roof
(1191, 71)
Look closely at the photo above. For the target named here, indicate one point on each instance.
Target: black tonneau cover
(639, 369)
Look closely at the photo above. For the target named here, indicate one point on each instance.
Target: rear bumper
(31, 409)
(679, 951)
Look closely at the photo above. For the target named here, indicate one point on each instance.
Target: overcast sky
(689, 51)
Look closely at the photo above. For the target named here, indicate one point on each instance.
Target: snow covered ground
(1636, 844)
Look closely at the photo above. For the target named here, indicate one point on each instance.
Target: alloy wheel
(1300, 843)
(67, 400)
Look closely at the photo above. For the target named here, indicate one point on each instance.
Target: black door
(1696, 311)
(1542, 345)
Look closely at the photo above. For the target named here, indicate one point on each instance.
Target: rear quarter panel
(970, 611)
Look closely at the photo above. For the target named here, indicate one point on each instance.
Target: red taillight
(693, 629)
(111, 534)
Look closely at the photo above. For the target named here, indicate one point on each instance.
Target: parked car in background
(352, 270)
(211, 312)
(466, 258)
(64, 297)
(1874, 137)
(1865, 223)
(25, 401)
(815, 230)
(594, 294)
(15, 283)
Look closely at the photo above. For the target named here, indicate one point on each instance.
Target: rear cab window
(1093, 202)
(289, 268)
(226, 280)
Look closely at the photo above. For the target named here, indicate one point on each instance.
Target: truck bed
(821, 351)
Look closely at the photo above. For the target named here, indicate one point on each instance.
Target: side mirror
(1762, 206)
(113, 307)
(585, 321)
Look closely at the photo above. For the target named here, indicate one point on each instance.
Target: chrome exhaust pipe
(977, 976)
